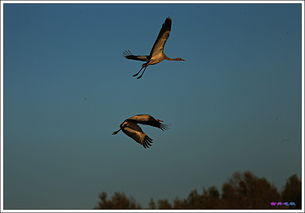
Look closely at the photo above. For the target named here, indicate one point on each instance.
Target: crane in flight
(157, 52)
(131, 128)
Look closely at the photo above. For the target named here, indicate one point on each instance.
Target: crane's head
(116, 132)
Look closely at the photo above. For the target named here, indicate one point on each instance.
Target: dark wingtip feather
(127, 53)
(147, 142)
(164, 127)
(168, 23)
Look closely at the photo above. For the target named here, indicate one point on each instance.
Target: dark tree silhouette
(152, 204)
(211, 198)
(241, 191)
(179, 204)
(246, 191)
(292, 191)
(194, 200)
(118, 201)
(164, 204)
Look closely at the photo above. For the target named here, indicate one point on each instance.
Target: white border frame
(155, 2)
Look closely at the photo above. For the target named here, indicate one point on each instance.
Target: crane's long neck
(173, 59)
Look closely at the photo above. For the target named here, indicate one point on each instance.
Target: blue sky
(233, 105)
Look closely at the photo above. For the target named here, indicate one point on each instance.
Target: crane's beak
(116, 132)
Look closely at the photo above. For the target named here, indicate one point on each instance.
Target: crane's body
(131, 128)
(157, 52)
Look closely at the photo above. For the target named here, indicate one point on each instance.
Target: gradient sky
(233, 105)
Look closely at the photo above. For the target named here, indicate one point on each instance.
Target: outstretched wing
(148, 120)
(127, 54)
(135, 132)
(162, 37)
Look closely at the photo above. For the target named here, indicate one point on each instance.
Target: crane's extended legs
(138, 72)
(144, 66)
(142, 73)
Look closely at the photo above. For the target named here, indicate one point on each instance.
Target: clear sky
(233, 105)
